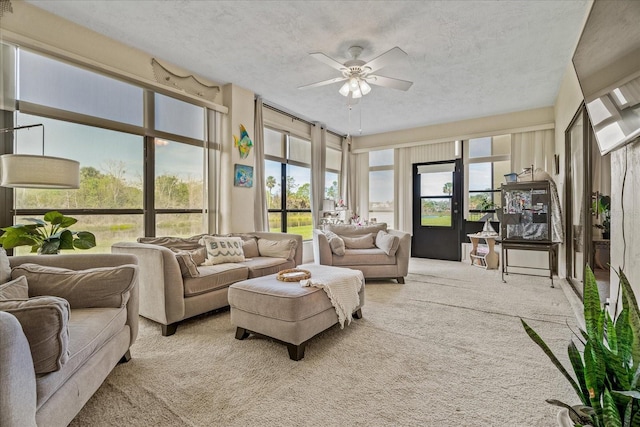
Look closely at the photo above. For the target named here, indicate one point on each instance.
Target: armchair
(93, 300)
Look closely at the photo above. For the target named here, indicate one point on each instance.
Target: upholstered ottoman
(287, 311)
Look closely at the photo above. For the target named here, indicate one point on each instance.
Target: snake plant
(605, 362)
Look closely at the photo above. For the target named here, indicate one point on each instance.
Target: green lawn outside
(439, 221)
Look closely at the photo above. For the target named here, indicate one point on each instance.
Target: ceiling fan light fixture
(364, 87)
(344, 90)
(353, 83)
(355, 94)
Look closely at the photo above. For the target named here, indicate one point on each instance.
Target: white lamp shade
(364, 87)
(344, 90)
(356, 94)
(30, 171)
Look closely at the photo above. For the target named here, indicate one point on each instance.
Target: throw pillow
(360, 242)
(250, 248)
(222, 249)
(277, 248)
(5, 267)
(188, 266)
(45, 323)
(179, 243)
(387, 242)
(335, 243)
(15, 289)
(94, 287)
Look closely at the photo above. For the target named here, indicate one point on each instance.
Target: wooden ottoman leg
(296, 352)
(357, 314)
(241, 333)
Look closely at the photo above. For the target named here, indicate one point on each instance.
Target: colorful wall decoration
(244, 144)
(243, 176)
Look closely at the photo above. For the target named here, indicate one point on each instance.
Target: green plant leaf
(66, 240)
(578, 369)
(50, 247)
(612, 335)
(634, 314)
(592, 309)
(624, 335)
(610, 413)
(536, 338)
(592, 378)
(53, 217)
(630, 393)
(84, 240)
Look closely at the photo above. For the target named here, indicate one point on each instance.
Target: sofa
(171, 291)
(378, 252)
(65, 322)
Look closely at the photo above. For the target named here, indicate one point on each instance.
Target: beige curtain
(533, 148)
(260, 216)
(345, 170)
(318, 161)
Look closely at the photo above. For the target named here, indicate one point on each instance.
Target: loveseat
(176, 283)
(378, 252)
(62, 331)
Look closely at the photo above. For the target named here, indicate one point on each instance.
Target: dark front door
(437, 210)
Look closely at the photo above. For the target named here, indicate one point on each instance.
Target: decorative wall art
(244, 144)
(243, 176)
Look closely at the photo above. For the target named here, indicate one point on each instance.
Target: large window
(381, 187)
(489, 161)
(135, 180)
(287, 166)
(332, 174)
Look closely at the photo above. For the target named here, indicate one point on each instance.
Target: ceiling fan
(357, 74)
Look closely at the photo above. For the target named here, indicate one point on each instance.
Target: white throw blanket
(341, 285)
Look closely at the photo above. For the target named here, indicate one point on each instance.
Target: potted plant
(607, 364)
(603, 207)
(47, 236)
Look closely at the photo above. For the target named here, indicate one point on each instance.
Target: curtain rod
(277, 110)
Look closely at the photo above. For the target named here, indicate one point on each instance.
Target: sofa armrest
(284, 236)
(89, 261)
(321, 249)
(17, 376)
(160, 281)
(404, 251)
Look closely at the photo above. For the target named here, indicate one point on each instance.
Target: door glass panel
(435, 210)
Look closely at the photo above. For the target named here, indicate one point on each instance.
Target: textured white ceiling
(467, 59)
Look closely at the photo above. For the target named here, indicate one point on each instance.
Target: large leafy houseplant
(607, 367)
(47, 236)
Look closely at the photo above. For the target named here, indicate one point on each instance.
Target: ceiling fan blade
(327, 60)
(387, 58)
(388, 82)
(324, 82)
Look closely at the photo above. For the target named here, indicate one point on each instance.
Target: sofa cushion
(361, 242)
(15, 289)
(214, 277)
(355, 230)
(94, 287)
(277, 248)
(5, 267)
(335, 243)
(180, 243)
(250, 248)
(387, 242)
(89, 330)
(222, 249)
(263, 266)
(190, 260)
(44, 321)
(353, 257)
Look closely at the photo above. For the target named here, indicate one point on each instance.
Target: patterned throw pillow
(15, 289)
(188, 266)
(222, 249)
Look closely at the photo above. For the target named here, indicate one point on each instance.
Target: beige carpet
(445, 349)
